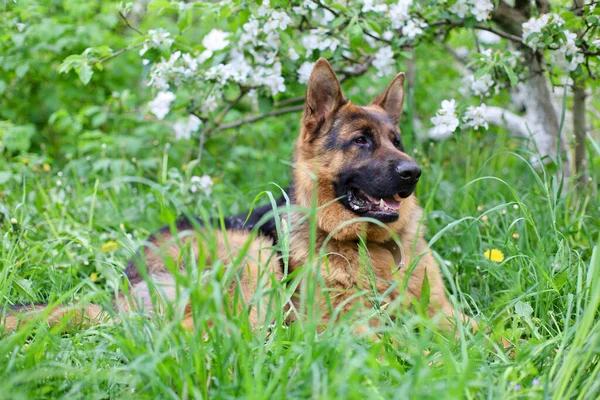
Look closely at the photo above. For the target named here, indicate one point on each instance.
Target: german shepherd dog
(350, 160)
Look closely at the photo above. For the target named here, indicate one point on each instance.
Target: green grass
(479, 192)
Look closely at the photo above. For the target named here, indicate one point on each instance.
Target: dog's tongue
(390, 202)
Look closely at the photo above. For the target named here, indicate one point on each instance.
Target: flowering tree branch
(257, 118)
(124, 18)
(454, 23)
(272, 46)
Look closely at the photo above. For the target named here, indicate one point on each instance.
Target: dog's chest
(345, 265)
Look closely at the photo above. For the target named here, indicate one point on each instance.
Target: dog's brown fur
(343, 275)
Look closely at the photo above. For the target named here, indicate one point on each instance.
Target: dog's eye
(397, 143)
(361, 140)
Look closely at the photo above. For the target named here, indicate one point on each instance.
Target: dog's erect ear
(323, 97)
(392, 98)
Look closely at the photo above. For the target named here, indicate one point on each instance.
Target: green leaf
(18, 138)
(265, 104)
(21, 70)
(85, 73)
(5, 176)
(356, 35)
(425, 294)
(158, 5)
(23, 287)
(511, 75)
(523, 310)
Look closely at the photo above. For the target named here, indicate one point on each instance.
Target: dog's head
(357, 155)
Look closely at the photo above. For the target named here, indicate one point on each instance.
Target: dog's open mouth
(361, 202)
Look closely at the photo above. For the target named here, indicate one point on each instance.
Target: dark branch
(251, 120)
(124, 18)
(505, 35)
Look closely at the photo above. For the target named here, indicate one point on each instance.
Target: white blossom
(278, 20)
(270, 77)
(292, 54)
(317, 39)
(184, 130)
(400, 13)
(388, 35)
(215, 40)
(304, 72)
(488, 37)
(161, 104)
(481, 9)
(460, 8)
(323, 18)
(560, 59)
(374, 5)
(476, 117)
(160, 38)
(211, 103)
(480, 86)
(413, 28)
(536, 25)
(250, 32)
(203, 183)
(307, 6)
(384, 61)
(445, 121)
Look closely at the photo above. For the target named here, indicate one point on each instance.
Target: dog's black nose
(409, 171)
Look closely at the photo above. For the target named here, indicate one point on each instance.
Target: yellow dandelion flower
(109, 246)
(94, 277)
(46, 167)
(494, 255)
(25, 160)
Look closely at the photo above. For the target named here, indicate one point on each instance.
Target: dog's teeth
(381, 203)
(397, 197)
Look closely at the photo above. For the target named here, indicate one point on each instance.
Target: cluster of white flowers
(413, 28)
(480, 9)
(177, 69)
(251, 61)
(161, 105)
(567, 56)
(304, 72)
(533, 28)
(317, 39)
(384, 61)
(477, 86)
(400, 13)
(159, 39)
(476, 117)
(279, 20)
(399, 16)
(373, 5)
(184, 129)
(203, 183)
(445, 121)
(215, 40)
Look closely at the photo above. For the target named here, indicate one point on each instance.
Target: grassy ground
(69, 227)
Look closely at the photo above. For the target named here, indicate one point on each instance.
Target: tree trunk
(579, 125)
(579, 130)
(543, 121)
